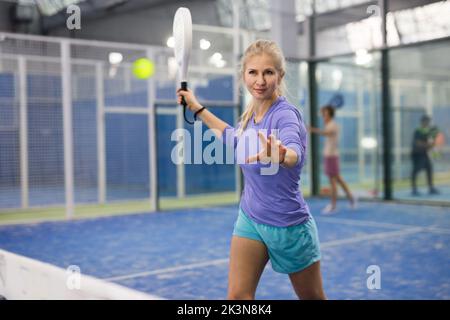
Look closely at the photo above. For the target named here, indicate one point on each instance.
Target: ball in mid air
(143, 68)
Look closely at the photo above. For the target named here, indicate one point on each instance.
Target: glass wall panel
(356, 82)
(420, 86)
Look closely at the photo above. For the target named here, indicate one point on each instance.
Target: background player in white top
(331, 158)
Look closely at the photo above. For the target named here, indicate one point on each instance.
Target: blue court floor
(184, 254)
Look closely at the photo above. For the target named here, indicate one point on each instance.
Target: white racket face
(182, 33)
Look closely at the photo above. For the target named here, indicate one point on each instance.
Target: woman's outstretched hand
(272, 152)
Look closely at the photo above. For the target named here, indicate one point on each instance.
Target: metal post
(386, 109)
(101, 149)
(312, 66)
(181, 180)
(24, 183)
(67, 125)
(153, 140)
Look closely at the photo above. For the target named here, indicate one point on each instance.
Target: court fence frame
(62, 57)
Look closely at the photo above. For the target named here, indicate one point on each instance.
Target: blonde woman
(274, 222)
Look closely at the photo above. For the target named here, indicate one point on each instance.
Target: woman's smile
(260, 90)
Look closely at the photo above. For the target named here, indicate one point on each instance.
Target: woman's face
(261, 78)
(325, 115)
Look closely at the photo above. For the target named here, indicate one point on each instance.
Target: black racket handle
(183, 102)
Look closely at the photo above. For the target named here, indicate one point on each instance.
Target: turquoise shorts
(291, 249)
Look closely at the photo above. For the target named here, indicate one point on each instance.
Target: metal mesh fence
(78, 129)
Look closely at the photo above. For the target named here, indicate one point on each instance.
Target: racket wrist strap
(198, 111)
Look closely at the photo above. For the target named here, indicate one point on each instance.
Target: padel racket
(336, 101)
(439, 141)
(182, 33)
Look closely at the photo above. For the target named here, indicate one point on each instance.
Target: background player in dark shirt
(423, 141)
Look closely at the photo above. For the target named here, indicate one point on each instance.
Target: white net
(22, 278)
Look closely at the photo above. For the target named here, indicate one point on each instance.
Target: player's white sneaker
(354, 203)
(329, 210)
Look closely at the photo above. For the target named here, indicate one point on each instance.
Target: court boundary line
(375, 224)
(226, 208)
(324, 246)
(363, 223)
(168, 270)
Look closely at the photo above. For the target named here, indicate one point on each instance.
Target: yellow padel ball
(143, 68)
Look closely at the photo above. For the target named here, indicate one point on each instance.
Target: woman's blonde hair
(271, 49)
